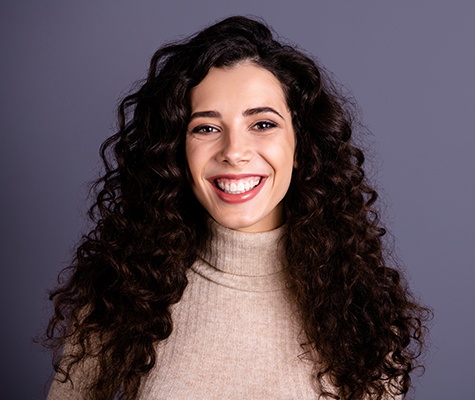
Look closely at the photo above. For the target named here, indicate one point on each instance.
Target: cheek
(286, 156)
(290, 163)
(283, 161)
(192, 162)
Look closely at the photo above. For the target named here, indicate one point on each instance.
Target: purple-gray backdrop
(409, 64)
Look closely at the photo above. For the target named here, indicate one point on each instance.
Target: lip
(241, 197)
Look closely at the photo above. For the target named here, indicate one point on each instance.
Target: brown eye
(263, 125)
(204, 129)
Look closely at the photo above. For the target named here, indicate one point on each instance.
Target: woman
(237, 252)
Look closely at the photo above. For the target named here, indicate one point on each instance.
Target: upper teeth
(237, 186)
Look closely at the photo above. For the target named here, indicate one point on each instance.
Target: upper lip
(234, 176)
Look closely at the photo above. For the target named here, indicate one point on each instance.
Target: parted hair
(112, 304)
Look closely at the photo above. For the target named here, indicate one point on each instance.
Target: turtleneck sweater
(236, 332)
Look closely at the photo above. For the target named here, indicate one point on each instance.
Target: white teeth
(237, 186)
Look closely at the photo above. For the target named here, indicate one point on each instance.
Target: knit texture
(236, 332)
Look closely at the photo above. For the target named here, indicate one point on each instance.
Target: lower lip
(241, 197)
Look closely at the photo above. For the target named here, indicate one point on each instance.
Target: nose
(235, 147)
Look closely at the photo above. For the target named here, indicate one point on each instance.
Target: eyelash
(208, 129)
(268, 125)
(204, 129)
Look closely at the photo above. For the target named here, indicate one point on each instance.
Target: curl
(113, 304)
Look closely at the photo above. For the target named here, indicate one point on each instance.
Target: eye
(206, 129)
(264, 125)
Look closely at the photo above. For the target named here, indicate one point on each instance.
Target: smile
(237, 186)
(235, 189)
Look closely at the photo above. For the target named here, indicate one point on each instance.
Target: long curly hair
(113, 303)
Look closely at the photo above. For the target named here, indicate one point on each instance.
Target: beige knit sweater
(236, 333)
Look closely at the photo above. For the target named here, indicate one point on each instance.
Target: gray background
(410, 65)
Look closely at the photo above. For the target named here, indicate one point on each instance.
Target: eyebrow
(246, 113)
(260, 110)
(205, 114)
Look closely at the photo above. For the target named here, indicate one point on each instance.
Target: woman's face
(240, 147)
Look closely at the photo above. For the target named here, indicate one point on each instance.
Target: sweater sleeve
(81, 376)
(65, 390)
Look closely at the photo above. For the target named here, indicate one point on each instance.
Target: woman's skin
(240, 147)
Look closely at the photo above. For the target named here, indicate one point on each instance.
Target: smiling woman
(237, 252)
(240, 147)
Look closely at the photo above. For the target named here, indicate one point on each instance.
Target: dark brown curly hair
(113, 302)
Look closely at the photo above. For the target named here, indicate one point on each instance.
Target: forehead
(242, 83)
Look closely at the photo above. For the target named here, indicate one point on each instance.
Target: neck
(246, 261)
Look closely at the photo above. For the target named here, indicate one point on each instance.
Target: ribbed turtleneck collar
(244, 261)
